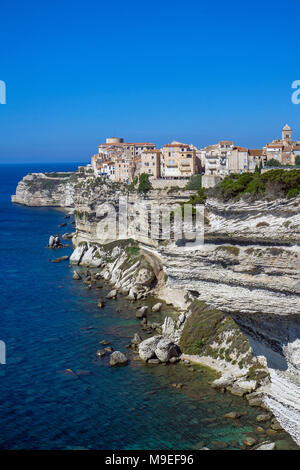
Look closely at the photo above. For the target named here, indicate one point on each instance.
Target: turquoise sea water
(51, 323)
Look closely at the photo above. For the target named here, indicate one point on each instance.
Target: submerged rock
(249, 441)
(76, 276)
(232, 415)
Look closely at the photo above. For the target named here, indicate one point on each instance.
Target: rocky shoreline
(238, 294)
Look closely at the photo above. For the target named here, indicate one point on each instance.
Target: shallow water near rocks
(51, 323)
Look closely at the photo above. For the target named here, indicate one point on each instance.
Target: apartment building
(150, 162)
(178, 160)
(106, 169)
(216, 158)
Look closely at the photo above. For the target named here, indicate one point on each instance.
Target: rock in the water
(51, 242)
(232, 415)
(136, 339)
(166, 349)
(263, 418)
(112, 294)
(266, 446)
(67, 236)
(100, 304)
(225, 381)
(157, 307)
(174, 359)
(141, 312)
(148, 346)
(249, 441)
(58, 260)
(76, 276)
(220, 444)
(275, 425)
(118, 358)
(100, 353)
(154, 361)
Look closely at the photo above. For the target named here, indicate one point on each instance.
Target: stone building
(150, 162)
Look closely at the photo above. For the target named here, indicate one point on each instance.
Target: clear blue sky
(198, 72)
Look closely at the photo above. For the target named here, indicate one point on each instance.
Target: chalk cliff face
(247, 268)
(42, 189)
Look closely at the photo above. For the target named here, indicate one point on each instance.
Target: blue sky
(77, 72)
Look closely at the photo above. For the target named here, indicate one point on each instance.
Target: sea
(54, 392)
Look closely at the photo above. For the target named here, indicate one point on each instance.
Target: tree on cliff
(144, 183)
(273, 163)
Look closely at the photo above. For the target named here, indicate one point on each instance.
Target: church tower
(287, 134)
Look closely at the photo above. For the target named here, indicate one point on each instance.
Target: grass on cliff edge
(206, 327)
(270, 185)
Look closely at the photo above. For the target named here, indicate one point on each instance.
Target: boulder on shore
(157, 307)
(117, 358)
(266, 446)
(225, 381)
(166, 349)
(112, 294)
(136, 339)
(141, 312)
(148, 346)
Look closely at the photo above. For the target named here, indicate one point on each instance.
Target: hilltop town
(176, 162)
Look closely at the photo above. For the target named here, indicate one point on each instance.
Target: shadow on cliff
(273, 336)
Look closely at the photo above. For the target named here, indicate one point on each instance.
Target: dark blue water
(51, 323)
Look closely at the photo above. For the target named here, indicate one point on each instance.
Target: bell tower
(287, 134)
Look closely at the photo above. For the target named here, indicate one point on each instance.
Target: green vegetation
(204, 331)
(132, 185)
(144, 183)
(198, 198)
(297, 160)
(270, 185)
(232, 250)
(195, 182)
(59, 175)
(273, 163)
(133, 250)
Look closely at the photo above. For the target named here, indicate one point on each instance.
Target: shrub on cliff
(273, 184)
(195, 182)
(144, 183)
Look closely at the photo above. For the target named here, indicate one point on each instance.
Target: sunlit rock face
(248, 267)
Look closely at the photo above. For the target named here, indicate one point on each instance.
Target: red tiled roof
(255, 152)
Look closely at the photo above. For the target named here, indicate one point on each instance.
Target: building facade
(178, 160)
